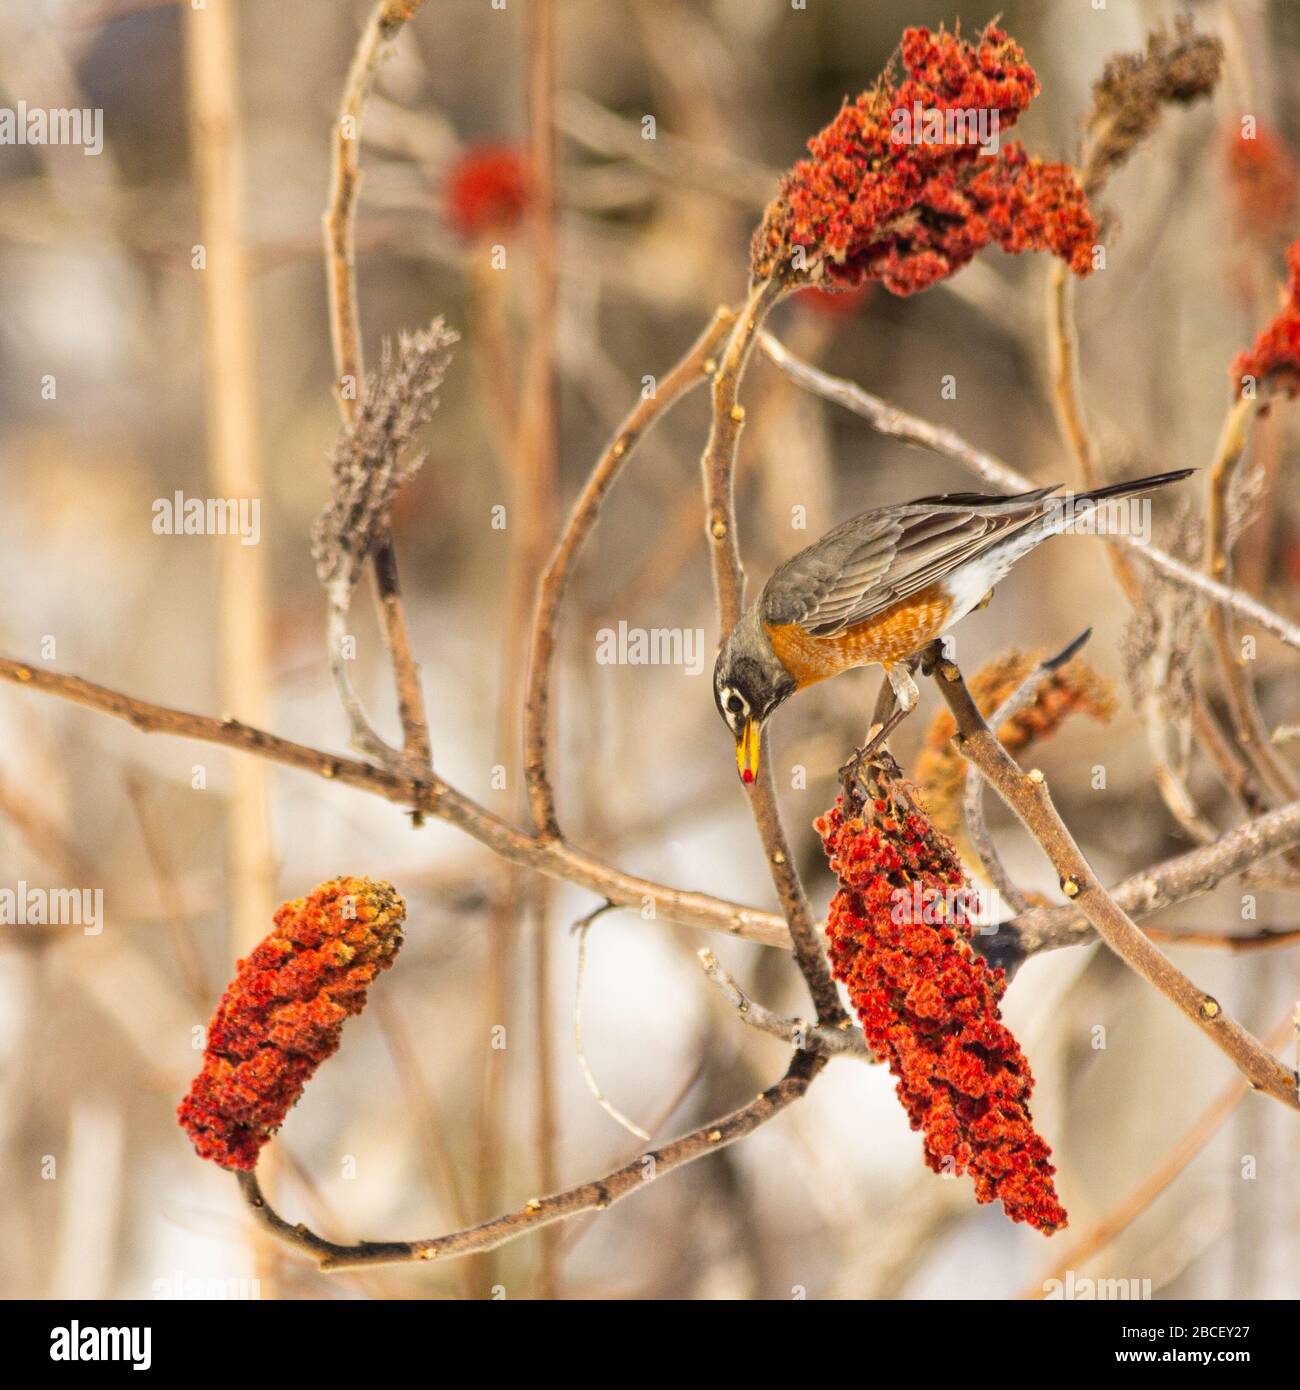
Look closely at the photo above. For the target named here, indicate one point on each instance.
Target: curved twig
(689, 371)
(544, 1211)
(838, 1040)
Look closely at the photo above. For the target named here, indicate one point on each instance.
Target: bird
(879, 588)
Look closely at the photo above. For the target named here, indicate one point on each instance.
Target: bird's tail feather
(1101, 494)
(1064, 513)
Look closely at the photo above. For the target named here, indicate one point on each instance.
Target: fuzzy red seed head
(283, 1014)
(1264, 182)
(879, 200)
(487, 190)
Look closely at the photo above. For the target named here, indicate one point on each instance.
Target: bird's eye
(735, 704)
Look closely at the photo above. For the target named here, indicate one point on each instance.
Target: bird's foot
(873, 753)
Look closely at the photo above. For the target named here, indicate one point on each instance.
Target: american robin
(879, 588)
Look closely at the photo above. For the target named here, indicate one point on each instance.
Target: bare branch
(427, 796)
(1038, 929)
(1176, 880)
(1028, 797)
(561, 1206)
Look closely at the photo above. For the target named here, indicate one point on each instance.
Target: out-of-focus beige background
(100, 1192)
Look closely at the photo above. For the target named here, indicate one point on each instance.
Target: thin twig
(912, 429)
(1028, 797)
(688, 372)
(544, 1211)
(836, 1040)
(1235, 943)
(1067, 399)
(581, 928)
(386, 20)
(1252, 733)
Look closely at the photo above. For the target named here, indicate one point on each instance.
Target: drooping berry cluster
(928, 1005)
(283, 1014)
(908, 210)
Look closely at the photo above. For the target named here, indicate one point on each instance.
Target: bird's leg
(905, 691)
(895, 702)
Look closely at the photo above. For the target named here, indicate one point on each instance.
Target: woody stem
(718, 465)
(1028, 797)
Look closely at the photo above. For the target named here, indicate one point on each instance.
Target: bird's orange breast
(893, 634)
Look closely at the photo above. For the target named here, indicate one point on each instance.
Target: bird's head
(749, 682)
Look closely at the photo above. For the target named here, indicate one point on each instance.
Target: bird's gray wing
(852, 556)
(875, 559)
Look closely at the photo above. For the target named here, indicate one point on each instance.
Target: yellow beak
(747, 750)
